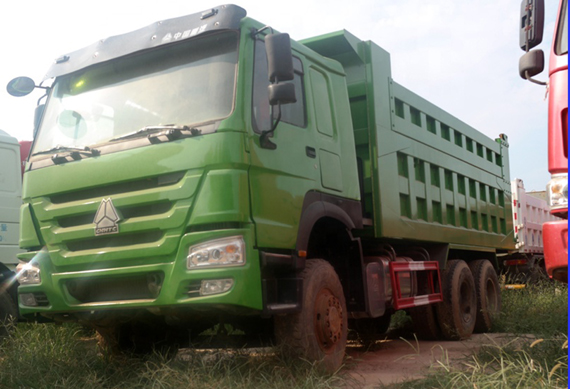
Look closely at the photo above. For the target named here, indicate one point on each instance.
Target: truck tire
(8, 314)
(457, 313)
(488, 294)
(318, 332)
(424, 320)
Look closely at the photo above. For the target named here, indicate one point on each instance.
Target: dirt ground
(396, 360)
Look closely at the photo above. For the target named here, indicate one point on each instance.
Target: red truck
(531, 64)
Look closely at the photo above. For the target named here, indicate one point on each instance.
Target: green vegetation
(65, 356)
(540, 309)
(536, 355)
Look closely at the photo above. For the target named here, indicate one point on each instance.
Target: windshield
(561, 46)
(188, 83)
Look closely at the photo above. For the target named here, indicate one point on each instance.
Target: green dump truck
(206, 169)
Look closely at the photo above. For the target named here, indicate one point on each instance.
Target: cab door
(280, 177)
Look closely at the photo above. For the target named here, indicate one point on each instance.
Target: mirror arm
(254, 32)
(533, 80)
(264, 140)
(40, 99)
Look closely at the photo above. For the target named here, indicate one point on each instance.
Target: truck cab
(10, 202)
(531, 64)
(151, 183)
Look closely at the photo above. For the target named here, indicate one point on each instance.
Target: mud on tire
(488, 292)
(318, 332)
(457, 313)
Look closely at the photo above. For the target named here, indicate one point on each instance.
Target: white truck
(10, 202)
(530, 212)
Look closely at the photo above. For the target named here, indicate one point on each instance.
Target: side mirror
(279, 57)
(531, 23)
(282, 93)
(279, 69)
(531, 64)
(20, 86)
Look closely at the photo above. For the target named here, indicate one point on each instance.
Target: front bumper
(154, 286)
(556, 249)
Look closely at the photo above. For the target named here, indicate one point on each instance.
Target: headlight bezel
(557, 191)
(217, 253)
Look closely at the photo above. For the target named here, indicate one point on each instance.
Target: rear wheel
(8, 314)
(317, 333)
(424, 320)
(488, 294)
(457, 313)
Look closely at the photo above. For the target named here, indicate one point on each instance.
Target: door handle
(311, 152)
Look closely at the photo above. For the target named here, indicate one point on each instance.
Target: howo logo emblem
(106, 218)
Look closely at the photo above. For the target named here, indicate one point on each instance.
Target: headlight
(219, 252)
(557, 191)
(28, 273)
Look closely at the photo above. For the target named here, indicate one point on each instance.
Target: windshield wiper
(171, 131)
(73, 150)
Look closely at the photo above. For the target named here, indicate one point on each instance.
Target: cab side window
(294, 114)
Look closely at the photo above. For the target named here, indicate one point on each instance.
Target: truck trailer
(530, 212)
(208, 169)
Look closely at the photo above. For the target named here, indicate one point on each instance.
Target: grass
(65, 356)
(49, 356)
(536, 355)
(540, 309)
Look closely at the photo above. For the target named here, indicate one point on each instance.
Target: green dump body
(428, 176)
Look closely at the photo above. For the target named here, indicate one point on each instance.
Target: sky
(460, 55)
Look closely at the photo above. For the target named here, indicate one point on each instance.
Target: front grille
(109, 241)
(126, 213)
(122, 187)
(152, 215)
(138, 287)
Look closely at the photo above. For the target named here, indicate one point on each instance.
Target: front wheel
(317, 333)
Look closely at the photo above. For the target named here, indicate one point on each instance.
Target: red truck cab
(555, 233)
(25, 146)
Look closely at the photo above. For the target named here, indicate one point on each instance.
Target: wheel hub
(328, 319)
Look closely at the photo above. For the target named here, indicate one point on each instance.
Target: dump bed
(427, 175)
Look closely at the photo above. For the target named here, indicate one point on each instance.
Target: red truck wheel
(457, 313)
(317, 333)
(488, 293)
